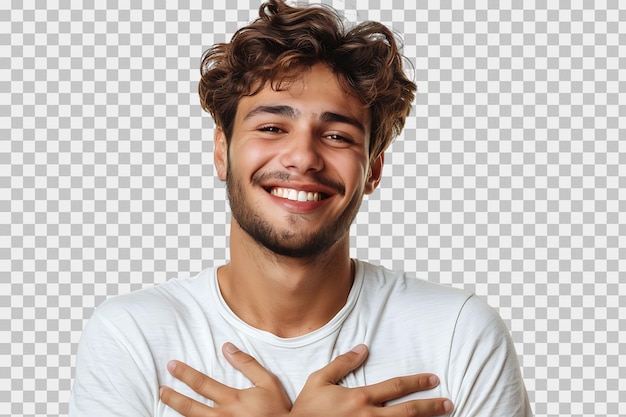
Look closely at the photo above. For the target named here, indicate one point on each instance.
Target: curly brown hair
(284, 40)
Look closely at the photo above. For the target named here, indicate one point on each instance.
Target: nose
(302, 153)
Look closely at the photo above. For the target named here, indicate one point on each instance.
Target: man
(304, 111)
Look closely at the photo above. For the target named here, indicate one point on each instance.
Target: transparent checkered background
(509, 180)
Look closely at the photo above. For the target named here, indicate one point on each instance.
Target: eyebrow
(336, 117)
(286, 111)
(292, 113)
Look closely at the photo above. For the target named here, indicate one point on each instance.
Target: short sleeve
(109, 379)
(484, 373)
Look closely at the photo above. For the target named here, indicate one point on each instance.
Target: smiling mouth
(295, 195)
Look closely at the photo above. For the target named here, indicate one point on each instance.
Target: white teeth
(295, 195)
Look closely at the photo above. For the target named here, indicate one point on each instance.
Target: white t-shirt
(410, 326)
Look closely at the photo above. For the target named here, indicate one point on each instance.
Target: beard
(289, 242)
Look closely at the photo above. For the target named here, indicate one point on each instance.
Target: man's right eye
(270, 129)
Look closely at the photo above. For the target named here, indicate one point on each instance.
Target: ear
(376, 171)
(220, 154)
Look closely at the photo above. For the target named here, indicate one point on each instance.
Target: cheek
(353, 166)
(352, 173)
(249, 158)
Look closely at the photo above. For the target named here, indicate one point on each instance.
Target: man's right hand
(320, 396)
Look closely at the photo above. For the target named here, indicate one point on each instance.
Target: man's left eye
(337, 138)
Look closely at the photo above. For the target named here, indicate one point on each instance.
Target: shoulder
(443, 309)
(136, 328)
(405, 289)
(164, 302)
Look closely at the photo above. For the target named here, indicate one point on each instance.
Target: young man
(304, 111)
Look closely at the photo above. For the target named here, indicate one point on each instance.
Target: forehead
(316, 92)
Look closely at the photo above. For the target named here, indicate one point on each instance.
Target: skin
(311, 153)
(312, 136)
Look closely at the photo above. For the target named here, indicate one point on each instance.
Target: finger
(419, 408)
(342, 365)
(398, 387)
(199, 382)
(184, 405)
(250, 367)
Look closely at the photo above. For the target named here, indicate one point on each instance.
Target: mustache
(262, 177)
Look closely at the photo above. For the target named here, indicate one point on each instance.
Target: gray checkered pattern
(509, 180)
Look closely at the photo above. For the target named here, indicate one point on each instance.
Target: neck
(285, 296)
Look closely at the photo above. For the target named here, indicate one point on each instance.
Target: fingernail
(433, 380)
(230, 348)
(447, 406)
(359, 348)
(171, 365)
